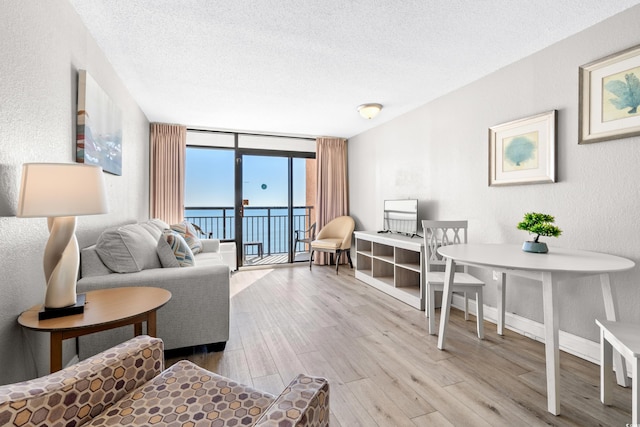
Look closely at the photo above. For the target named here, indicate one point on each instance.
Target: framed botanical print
(610, 97)
(523, 151)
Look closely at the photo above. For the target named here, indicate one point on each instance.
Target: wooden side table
(247, 244)
(104, 309)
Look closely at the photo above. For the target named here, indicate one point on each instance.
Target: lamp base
(52, 313)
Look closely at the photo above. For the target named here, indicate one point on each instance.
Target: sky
(209, 179)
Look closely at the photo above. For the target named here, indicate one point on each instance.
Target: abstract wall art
(99, 127)
(523, 151)
(609, 97)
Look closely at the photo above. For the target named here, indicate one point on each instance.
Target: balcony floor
(275, 259)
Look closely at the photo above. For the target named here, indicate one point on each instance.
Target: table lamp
(60, 191)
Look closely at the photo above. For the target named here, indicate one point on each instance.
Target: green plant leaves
(539, 224)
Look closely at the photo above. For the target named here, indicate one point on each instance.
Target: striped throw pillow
(173, 248)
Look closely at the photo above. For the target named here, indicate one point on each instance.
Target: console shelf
(393, 264)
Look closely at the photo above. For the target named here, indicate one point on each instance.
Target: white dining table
(552, 268)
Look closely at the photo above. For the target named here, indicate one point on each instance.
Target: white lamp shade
(61, 189)
(369, 111)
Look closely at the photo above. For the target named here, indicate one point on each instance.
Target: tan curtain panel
(168, 154)
(332, 196)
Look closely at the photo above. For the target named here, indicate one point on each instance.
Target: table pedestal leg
(55, 361)
(611, 311)
(151, 324)
(552, 351)
(447, 294)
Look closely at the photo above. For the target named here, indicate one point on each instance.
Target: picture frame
(608, 108)
(99, 127)
(523, 151)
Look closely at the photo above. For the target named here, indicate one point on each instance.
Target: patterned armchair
(126, 385)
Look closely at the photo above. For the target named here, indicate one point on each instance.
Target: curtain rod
(309, 138)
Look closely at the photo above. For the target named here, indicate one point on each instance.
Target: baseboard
(573, 344)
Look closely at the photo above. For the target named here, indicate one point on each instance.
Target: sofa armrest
(82, 391)
(210, 245)
(305, 402)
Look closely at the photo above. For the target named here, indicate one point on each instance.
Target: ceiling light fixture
(369, 111)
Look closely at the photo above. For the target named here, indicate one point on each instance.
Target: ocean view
(269, 225)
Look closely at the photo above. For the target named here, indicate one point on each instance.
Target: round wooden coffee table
(104, 309)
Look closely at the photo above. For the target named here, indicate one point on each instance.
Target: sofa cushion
(190, 235)
(210, 258)
(185, 394)
(173, 250)
(128, 249)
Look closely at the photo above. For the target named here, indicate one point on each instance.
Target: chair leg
(338, 256)
(310, 259)
(349, 257)
(466, 307)
(606, 369)
(635, 397)
(431, 305)
(480, 313)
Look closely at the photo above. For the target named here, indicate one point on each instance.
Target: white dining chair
(442, 233)
(624, 338)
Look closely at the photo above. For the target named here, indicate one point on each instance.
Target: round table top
(102, 307)
(556, 260)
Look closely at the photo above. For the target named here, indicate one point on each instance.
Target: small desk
(104, 309)
(558, 265)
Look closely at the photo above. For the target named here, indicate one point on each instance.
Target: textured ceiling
(302, 67)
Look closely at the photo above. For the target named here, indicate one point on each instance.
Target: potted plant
(541, 225)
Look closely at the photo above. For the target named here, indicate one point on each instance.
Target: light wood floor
(383, 367)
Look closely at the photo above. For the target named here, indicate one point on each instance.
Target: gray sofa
(198, 312)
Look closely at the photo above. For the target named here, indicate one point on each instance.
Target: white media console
(392, 263)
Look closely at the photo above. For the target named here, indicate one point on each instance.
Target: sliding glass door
(273, 205)
(265, 209)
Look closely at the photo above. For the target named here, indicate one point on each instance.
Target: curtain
(332, 198)
(168, 154)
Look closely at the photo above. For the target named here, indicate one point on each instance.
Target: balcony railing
(266, 224)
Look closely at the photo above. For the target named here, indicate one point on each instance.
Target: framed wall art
(610, 97)
(99, 127)
(523, 151)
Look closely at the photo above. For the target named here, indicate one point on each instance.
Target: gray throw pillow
(128, 249)
(158, 223)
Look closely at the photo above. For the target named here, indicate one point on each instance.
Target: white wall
(42, 45)
(439, 154)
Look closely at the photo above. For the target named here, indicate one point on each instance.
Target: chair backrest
(441, 233)
(312, 232)
(338, 228)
